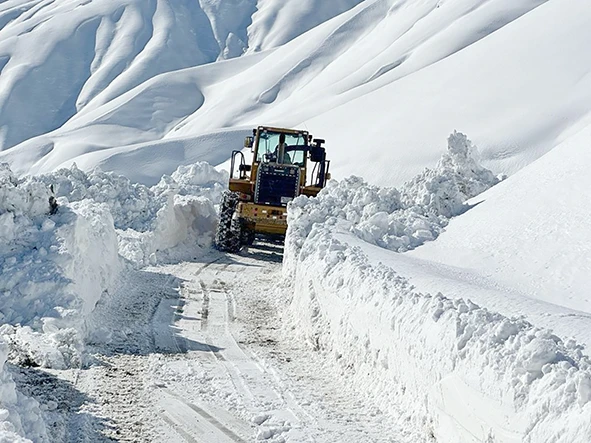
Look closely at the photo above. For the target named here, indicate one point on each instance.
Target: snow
(19, 415)
(401, 220)
(68, 259)
(57, 265)
(530, 232)
(452, 302)
(420, 69)
(480, 375)
(484, 374)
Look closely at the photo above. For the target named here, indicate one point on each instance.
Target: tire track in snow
(231, 381)
(189, 421)
(237, 380)
(263, 389)
(205, 423)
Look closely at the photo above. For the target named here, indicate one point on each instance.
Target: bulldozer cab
(281, 146)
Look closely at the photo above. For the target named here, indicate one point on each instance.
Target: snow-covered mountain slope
(531, 232)
(58, 59)
(387, 78)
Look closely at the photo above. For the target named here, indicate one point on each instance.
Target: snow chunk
(456, 178)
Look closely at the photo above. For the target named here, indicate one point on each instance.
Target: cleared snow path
(197, 354)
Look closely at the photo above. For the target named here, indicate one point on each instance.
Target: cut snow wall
(456, 370)
(19, 415)
(54, 268)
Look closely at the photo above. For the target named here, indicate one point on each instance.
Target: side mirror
(244, 168)
(317, 154)
(248, 141)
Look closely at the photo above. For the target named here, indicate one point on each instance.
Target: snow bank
(56, 266)
(56, 262)
(457, 177)
(19, 415)
(149, 221)
(458, 371)
(54, 269)
(405, 219)
(182, 226)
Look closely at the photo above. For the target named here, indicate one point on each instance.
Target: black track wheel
(228, 234)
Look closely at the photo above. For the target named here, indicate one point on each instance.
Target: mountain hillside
(530, 232)
(383, 80)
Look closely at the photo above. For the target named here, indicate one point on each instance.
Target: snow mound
(457, 177)
(197, 179)
(182, 225)
(20, 201)
(19, 415)
(480, 376)
(130, 205)
(399, 220)
(183, 216)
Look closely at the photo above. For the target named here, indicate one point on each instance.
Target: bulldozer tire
(228, 234)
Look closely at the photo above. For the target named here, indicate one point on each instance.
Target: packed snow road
(198, 355)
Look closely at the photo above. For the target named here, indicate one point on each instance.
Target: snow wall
(458, 371)
(55, 265)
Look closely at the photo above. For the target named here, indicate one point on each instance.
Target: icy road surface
(199, 356)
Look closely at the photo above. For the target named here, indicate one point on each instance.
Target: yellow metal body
(263, 219)
(266, 219)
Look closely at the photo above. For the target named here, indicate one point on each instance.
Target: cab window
(269, 143)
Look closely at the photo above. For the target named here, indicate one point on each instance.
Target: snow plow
(258, 193)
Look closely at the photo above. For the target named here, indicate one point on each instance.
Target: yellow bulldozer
(285, 163)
